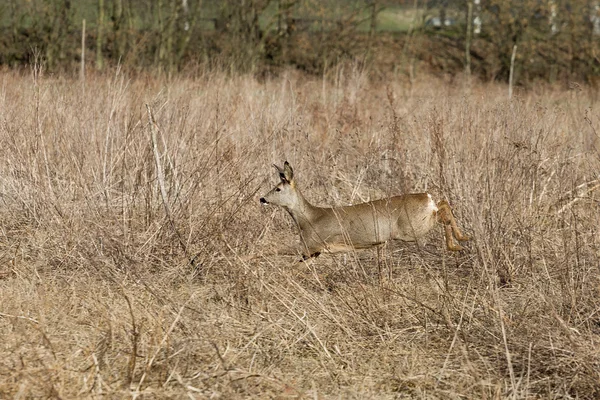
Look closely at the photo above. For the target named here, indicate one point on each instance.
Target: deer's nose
(263, 201)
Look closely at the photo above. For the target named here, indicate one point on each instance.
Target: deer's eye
(277, 190)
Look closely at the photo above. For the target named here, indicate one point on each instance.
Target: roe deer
(360, 226)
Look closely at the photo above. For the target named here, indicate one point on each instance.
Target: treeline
(539, 39)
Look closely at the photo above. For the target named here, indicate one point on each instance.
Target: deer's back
(405, 217)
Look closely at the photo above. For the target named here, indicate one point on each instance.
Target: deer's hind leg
(451, 230)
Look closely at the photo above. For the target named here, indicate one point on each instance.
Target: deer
(405, 217)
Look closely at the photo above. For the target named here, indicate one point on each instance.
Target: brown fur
(360, 226)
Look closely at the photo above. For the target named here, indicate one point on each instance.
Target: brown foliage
(99, 297)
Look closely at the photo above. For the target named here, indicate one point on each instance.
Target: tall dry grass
(103, 294)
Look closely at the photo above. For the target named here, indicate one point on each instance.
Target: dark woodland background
(552, 40)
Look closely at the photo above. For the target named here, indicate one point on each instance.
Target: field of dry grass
(110, 288)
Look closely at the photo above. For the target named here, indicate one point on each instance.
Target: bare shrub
(104, 295)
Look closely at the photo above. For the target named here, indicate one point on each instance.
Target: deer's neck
(304, 213)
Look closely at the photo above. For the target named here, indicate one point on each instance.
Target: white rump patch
(432, 204)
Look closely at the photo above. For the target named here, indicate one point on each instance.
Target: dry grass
(98, 297)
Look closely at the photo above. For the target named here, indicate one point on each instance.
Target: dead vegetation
(105, 293)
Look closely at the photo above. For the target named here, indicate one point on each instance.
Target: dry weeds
(99, 297)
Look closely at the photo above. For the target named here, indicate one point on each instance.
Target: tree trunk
(469, 37)
(443, 13)
(120, 35)
(100, 36)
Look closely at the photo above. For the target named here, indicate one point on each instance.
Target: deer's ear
(288, 172)
(281, 173)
